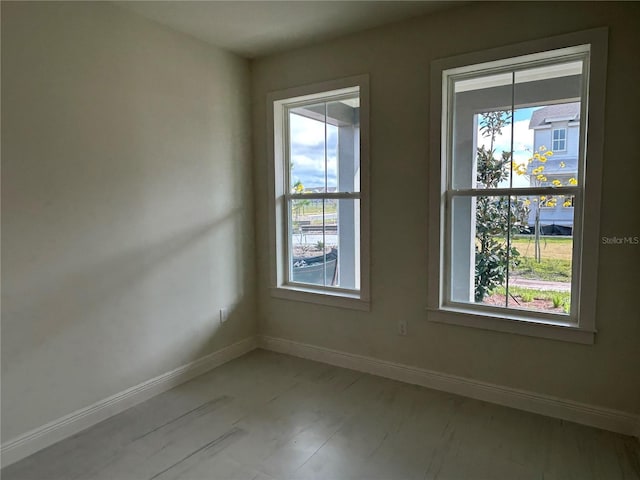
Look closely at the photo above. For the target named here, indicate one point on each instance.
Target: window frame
(564, 140)
(581, 326)
(279, 195)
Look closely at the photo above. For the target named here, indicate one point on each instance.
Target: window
(559, 143)
(320, 193)
(506, 256)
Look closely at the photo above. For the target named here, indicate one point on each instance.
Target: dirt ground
(535, 304)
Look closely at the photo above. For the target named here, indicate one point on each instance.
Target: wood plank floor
(268, 416)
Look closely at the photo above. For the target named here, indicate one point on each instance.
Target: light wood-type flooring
(269, 416)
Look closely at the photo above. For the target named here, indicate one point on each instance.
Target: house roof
(555, 113)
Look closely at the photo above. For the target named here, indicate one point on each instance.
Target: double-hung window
(319, 193)
(500, 258)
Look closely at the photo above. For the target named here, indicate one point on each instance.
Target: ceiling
(258, 28)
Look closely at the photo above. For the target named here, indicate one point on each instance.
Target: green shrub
(526, 296)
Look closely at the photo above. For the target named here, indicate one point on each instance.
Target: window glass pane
(343, 145)
(324, 242)
(480, 258)
(498, 259)
(498, 219)
(547, 126)
(306, 240)
(462, 254)
(330, 242)
(568, 68)
(307, 149)
(481, 128)
(332, 158)
(541, 277)
(544, 159)
(324, 147)
(501, 121)
(348, 243)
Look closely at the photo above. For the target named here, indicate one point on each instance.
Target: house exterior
(556, 128)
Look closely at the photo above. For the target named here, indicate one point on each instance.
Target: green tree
(497, 218)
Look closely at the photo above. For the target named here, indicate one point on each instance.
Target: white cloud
(308, 152)
(306, 131)
(310, 171)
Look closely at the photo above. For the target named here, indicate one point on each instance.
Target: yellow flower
(551, 203)
(567, 203)
(543, 159)
(542, 178)
(557, 183)
(573, 181)
(527, 202)
(562, 165)
(519, 168)
(543, 198)
(549, 153)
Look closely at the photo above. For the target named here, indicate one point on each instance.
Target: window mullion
(521, 192)
(511, 160)
(327, 196)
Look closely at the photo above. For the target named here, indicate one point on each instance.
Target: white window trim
(358, 300)
(582, 329)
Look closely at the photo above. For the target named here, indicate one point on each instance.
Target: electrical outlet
(223, 315)
(402, 327)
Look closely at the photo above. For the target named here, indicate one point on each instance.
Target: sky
(308, 152)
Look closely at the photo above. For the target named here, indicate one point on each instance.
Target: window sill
(321, 297)
(512, 324)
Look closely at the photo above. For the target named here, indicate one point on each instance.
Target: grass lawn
(550, 247)
(555, 264)
(551, 269)
(311, 208)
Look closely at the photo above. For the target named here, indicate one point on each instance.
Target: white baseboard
(46, 435)
(593, 416)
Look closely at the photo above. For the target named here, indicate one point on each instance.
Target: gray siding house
(556, 128)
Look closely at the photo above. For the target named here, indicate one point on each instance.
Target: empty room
(272, 240)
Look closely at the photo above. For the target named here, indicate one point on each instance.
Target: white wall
(127, 207)
(398, 59)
